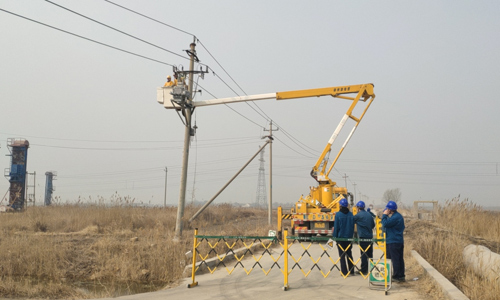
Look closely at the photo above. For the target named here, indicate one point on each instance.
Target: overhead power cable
(221, 66)
(173, 27)
(265, 116)
(240, 138)
(150, 43)
(275, 137)
(88, 39)
(142, 15)
(122, 32)
(241, 114)
(295, 140)
(110, 27)
(267, 119)
(140, 149)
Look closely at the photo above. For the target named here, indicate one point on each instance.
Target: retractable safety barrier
(292, 253)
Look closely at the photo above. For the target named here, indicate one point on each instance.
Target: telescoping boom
(315, 213)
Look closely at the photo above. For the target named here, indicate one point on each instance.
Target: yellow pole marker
(387, 270)
(193, 269)
(280, 215)
(285, 286)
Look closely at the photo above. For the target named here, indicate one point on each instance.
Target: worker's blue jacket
(343, 226)
(365, 224)
(393, 227)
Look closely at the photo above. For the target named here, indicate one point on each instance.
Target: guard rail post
(285, 250)
(387, 270)
(193, 269)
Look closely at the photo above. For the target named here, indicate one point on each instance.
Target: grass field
(90, 251)
(458, 223)
(98, 250)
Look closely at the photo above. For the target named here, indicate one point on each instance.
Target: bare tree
(392, 195)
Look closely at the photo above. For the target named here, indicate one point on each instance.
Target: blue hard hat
(343, 202)
(391, 205)
(360, 204)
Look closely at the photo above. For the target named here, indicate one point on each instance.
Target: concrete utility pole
(345, 179)
(34, 187)
(188, 132)
(354, 184)
(270, 205)
(165, 197)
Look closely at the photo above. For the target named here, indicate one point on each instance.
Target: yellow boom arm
(363, 92)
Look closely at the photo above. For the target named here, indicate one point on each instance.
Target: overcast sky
(90, 112)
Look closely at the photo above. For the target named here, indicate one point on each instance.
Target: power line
(221, 66)
(275, 137)
(132, 36)
(106, 149)
(138, 149)
(110, 27)
(291, 137)
(241, 114)
(88, 39)
(118, 141)
(410, 162)
(142, 15)
(266, 117)
(126, 51)
(201, 43)
(183, 31)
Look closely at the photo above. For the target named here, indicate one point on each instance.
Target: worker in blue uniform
(343, 227)
(365, 225)
(394, 225)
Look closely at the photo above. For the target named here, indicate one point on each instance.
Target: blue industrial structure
(19, 153)
(49, 187)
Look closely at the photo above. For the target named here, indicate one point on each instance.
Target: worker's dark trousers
(395, 253)
(345, 255)
(365, 255)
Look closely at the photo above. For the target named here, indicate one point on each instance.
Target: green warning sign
(380, 272)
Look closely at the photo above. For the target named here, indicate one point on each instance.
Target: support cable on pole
(229, 182)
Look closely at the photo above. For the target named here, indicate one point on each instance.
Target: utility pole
(354, 184)
(270, 205)
(187, 111)
(345, 179)
(34, 187)
(165, 197)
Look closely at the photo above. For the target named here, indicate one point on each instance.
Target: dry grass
(470, 219)
(101, 250)
(458, 224)
(97, 250)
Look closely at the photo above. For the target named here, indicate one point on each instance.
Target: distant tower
(49, 187)
(261, 199)
(17, 172)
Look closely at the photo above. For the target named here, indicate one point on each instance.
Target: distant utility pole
(165, 197)
(270, 207)
(354, 184)
(345, 179)
(33, 186)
